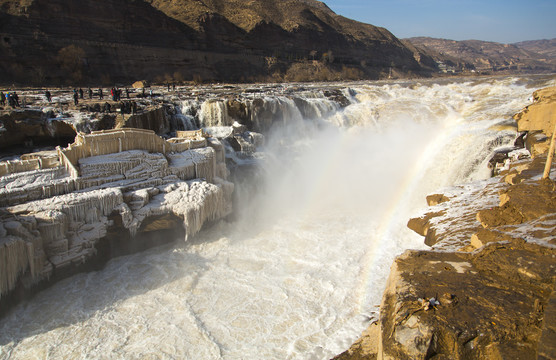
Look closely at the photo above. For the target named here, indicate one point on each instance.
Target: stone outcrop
(538, 120)
(20, 126)
(483, 305)
(486, 288)
(107, 189)
(60, 123)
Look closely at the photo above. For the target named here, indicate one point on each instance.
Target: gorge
(300, 268)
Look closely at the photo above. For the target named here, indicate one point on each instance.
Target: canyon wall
(113, 41)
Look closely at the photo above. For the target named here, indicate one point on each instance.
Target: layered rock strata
(108, 187)
(486, 288)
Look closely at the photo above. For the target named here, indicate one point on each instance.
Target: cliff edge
(486, 288)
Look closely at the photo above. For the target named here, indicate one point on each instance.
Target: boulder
(140, 84)
(436, 199)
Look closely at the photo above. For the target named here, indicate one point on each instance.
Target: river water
(298, 274)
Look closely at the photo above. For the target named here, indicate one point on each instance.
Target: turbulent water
(301, 270)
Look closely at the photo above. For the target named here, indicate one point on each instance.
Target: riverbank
(485, 289)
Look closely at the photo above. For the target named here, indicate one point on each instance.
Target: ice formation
(54, 217)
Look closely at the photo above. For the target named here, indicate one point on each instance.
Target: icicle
(14, 261)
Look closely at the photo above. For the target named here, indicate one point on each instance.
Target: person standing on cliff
(80, 93)
(100, 95)
(48, 96)
(90, 93)
(75, 97)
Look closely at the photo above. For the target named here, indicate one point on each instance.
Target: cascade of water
(186, 111)
(294, 277)
(214, 113)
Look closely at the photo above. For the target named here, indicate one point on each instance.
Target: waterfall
(215, 113)
(300, 272)
(185, 118)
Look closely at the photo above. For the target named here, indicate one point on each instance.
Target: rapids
(300, 271)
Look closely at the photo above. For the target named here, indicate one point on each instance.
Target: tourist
(16, 99)
(75, 97)
(11, 99)
(100, 95)
(127, 92)
(80, 93)
(48, 96)
(90, 93)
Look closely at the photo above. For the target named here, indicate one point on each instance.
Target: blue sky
(504, 21)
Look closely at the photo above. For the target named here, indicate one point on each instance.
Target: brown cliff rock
(541, 115)
(31, 125)
(162, 40)
(491, 303)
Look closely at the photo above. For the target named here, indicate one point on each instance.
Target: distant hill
(110, 41)
(543, 47)
(488, 57)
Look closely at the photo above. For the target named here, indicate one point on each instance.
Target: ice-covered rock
(54, 220)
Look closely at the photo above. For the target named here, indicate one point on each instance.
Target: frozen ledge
(52, 222)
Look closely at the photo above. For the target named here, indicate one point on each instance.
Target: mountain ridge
(489, 56)
(193, 40)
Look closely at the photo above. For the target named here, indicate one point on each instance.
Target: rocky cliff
(69, 41)
(484, 56)
(486, 288)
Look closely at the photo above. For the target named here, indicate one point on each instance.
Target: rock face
(538, 120)
(487, 304)
(486, 288)
(107, 188)
(116, 41)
